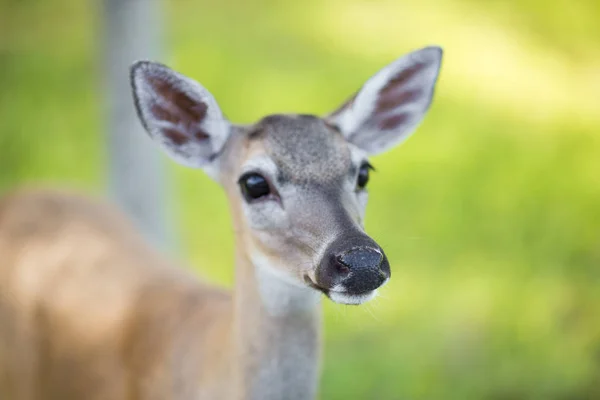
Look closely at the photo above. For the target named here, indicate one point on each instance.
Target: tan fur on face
(306, 150)
(308, 164)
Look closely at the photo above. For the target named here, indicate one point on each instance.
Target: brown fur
(88, 311)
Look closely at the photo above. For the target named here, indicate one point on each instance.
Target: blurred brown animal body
(88, 310)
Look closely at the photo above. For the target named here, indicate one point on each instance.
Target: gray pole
(132, 31)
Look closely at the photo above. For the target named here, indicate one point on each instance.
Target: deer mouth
(352, 299)
(339, 294)
(313, 285)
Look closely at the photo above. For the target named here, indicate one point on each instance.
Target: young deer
(89, 311)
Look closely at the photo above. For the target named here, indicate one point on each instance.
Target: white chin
(354, 299)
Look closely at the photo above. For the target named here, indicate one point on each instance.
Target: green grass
(490, 214)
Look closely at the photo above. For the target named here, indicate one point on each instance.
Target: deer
(89, 310)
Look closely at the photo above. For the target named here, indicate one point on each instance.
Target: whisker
(370, 311)
(381, 296)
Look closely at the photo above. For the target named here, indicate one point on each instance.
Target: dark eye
(254, 186)
(363, 175)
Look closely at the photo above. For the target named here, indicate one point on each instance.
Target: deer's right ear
(178, 113)
(390, 105)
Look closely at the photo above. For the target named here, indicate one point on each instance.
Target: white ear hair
(179, 114)
(392, 103)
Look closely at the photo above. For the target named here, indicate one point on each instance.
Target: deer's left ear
(390, 105)
(179, 114)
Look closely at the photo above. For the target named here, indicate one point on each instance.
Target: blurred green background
(490, 214)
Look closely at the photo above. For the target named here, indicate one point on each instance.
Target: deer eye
(363, 175)
(254, 186)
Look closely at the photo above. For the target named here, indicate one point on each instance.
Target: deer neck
(277, 328)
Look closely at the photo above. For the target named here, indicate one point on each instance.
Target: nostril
(341, 267)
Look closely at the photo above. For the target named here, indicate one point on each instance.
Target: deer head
(297, 184)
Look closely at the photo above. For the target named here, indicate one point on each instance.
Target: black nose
(354, 265)
(363, 269)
